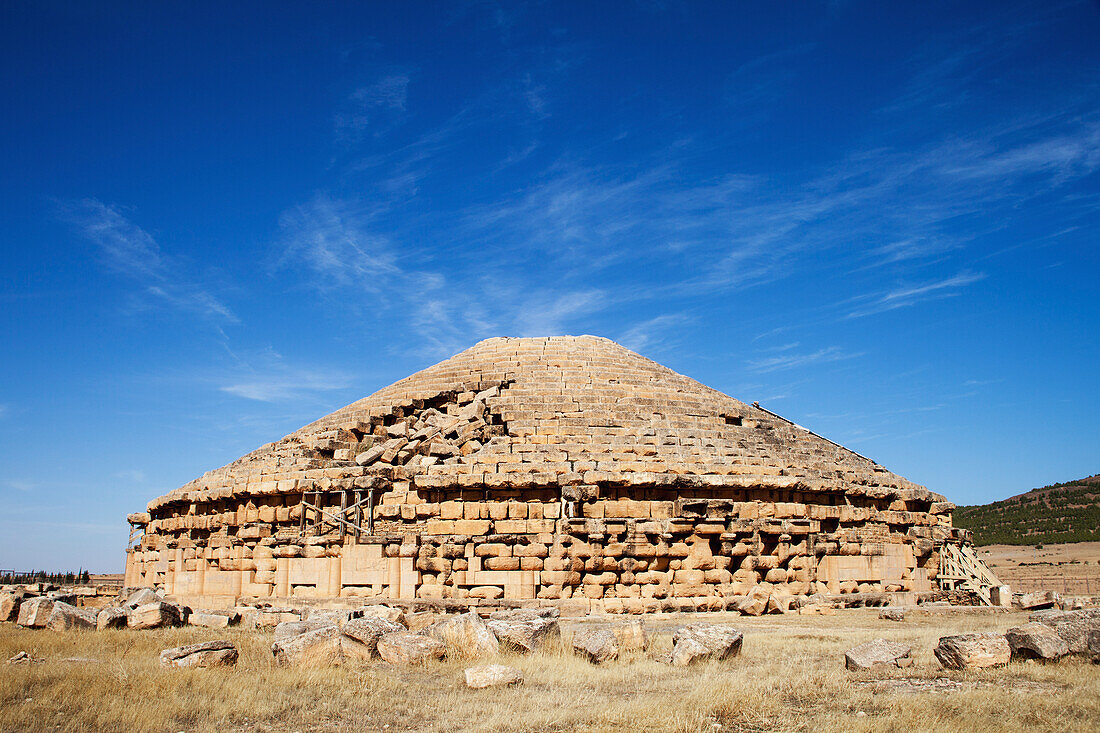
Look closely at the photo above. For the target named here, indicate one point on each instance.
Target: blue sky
(877, 219)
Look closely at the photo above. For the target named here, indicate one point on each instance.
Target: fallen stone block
(315, 648)
(64, 617)
(213, 620)
(206, 654)
(1036, 641)
(1037, 600)
(366, 632)
(24, 658)
(287, 629)
(1072, 626)
(404, 647)
(973, 651)
(878, 653)
(492, 675)
(524, 630)
(752, 605)
(9, 606)
(465, 635)
(111, 618)
(596, 645)
(154, 616)
(892, 614)
(631, 635)
(387, 612)
(141, 597)
(1094, 644)
(698, 642)
(34, 612)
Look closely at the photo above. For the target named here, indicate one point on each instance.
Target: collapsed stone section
(544, 470)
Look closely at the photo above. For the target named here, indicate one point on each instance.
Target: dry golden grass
(790, 677)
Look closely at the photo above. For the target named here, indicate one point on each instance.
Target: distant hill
(1068, 512)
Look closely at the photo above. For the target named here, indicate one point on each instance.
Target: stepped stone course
(565, 470)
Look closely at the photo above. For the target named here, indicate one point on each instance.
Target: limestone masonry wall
(543, 470)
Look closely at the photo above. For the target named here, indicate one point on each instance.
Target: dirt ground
(789, 677)
(1070, 569)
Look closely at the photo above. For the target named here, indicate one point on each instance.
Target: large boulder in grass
(315, 648)
(1072, 626)
(287, 629)
(973, 651)
(141, 597)
(9, 606)
(1036, 641)
(699, 642)
(64, 617)
(206, 654)
(631, 636)
(1094, 644)
(367, 631)
(154, 616)
(465, 636)
(111, 618)
(1038, 599)
(878, 653)
(387, 612)
(35, 612)
(406, 648)
(525, 630)
(213, 620)
(596, 645)
(492, 675)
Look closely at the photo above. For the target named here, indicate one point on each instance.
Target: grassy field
(790, 677)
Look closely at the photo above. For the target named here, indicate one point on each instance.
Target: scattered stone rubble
(566, 470)
(492, 675)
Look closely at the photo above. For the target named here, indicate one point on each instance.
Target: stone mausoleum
(536, 470)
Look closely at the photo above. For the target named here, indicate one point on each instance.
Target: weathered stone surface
(1038, 599)
(631, 636)
(878, 653)
(141, 597)
(1072, 626)
(64, 617)
(892, 614)
(9, 606)
(328, 616)
(596, 645)
(206, 654)
(524, 630)
(111, 618)
(213, 620)
(35, 612)
(405, 647)
(1036, 641)
(154, 615)
(315, 648)
(368, 630)
(465, 636)
(973, 651)
(492, 675)
(287, 629)
(387, 612)
(705, 641)
(1094, 644)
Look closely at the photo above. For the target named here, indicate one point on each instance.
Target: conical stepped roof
(567, 410)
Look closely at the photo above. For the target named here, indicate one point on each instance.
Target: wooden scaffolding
(961, 569)
(355, 518)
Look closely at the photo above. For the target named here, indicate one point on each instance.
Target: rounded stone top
(554, 411)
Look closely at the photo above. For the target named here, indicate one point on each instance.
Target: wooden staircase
(961, 569)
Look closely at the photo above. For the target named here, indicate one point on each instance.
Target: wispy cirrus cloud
(906, 296)
(127, 249)
(790, 360)
(268, 377)
(374, 108)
